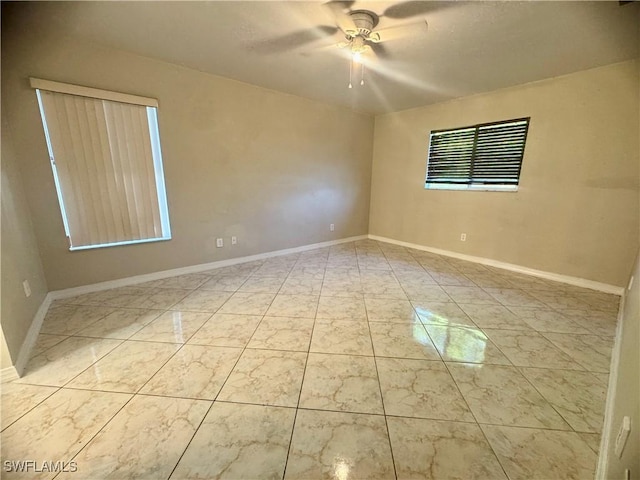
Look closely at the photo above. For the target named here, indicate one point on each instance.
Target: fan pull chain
(350, 72)
(362, 74)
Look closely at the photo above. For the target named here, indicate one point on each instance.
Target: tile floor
(363, 360)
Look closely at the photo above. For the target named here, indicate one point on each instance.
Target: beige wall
(272, 169)
(20, 258)
(625, 392)
(577, 210)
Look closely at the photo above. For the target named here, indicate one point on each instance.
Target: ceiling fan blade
(414, 9)
(401, 31)
(379, 50)
(340, 11)
(293, 40)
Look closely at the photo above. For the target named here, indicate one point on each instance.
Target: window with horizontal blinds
(107, 167)
(482, 157)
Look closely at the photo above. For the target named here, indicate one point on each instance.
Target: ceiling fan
(358, 29)
(358, 25)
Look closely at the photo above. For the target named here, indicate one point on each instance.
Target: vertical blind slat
(105, 163)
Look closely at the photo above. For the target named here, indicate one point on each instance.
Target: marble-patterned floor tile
(488, 280)
(600, 300)
(195, 371)
(530, 349)
(126, 368)
(500, 395)
(144, 440)
(435, 449)
(465, 344)
(58, 428)
(239, 441)
(69, 319)
(45, 342)
(226, 330)
(442, 313)
(339, 445)
(470, 295)
(402, 340)
(172, 327)
(117, 297)
(590, 351)
(303, 306)
(283, 333)
(341, 336)
(591, 439)
(514, 296)
(266, 377)
(494, 316)
(341, 382)
(528, 453)
(121, 323)
(160, 298)
(62, 362)
(429, 294)
(273, 270)
(452, 279)
(18, 399)
(245, 269)
(596, 322)
(558, 300)
(302, 285)
(189, 281)
(248, 303)
(389, 310)
(546, 320)
(202, 301)
(420, 388)
(342, 308)
(262, 285)
(342, 288)
(224, 283)
(578, 396)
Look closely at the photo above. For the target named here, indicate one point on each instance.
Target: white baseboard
(8, 374)
(556, 277)
(14, 372)
(203, 267)
(607, 430)
(32, 335)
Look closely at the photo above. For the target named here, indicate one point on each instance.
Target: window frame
(151, 106)
(473, 185)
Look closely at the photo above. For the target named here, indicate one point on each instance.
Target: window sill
(118, 244)
(474, 188)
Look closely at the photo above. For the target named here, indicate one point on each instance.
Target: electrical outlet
(219, 242)
(623, 435)
(332, 227)
(234, 240)
(27, 288)
(463, 237)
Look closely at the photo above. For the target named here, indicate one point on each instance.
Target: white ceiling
(468, 47)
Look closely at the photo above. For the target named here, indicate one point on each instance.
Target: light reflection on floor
(461, 344)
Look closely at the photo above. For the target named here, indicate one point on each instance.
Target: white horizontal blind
(485, 155)
(103, 158)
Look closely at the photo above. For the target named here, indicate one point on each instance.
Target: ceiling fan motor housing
(365, 21)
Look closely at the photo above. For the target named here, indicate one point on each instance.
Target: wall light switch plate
(219, 242)
(234, 240)
(332, 227)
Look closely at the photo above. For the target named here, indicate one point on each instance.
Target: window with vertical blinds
(479, 157)
(105, 155)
